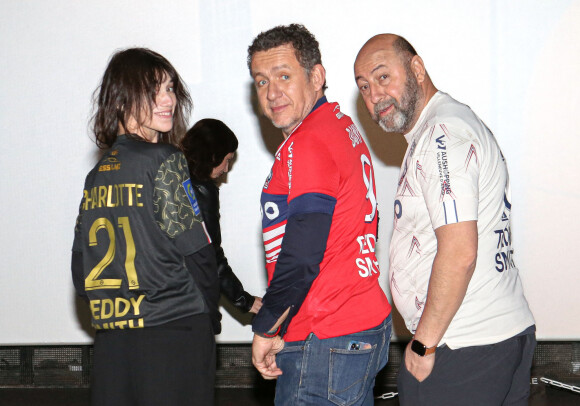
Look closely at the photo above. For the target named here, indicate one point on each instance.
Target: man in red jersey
(319, 220)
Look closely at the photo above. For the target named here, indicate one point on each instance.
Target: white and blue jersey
(454, 171)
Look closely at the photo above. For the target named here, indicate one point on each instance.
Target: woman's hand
(257, 305)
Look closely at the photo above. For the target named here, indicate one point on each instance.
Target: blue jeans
(334, 371)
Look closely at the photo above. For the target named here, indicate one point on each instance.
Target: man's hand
(257, 305)
(419, 367)
(452, 270)
(264, 352)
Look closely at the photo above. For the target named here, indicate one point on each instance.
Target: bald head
(392, 81)
(395, 43)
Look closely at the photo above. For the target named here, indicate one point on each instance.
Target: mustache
(383, 104)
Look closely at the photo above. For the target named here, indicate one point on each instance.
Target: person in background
(452, 272)
(141, 256)
(209, 146)
(325, 325)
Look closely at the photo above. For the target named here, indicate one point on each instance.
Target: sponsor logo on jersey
(289, 163)
(338, 114)
(443, 166)
(354, 135)
(109, 167)
(268, 179)
(110, 163)
(191, 196)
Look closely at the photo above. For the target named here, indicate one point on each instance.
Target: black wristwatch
(421, 349)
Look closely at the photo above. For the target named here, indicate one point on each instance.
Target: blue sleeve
(298, 265)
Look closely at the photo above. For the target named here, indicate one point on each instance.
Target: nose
(273, 91)
(165, 98)
(376, 93)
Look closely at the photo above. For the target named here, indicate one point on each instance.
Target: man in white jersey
(452, 273)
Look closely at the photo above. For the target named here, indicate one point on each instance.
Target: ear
(418, 68)
(318, 76)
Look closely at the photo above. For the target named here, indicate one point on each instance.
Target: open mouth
(164, 114)
(386, 110)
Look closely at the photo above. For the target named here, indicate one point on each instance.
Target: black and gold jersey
(137, 221)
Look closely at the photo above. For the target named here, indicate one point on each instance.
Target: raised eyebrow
(274, 69)
(257, 74)
(280, 67)
(376, 68)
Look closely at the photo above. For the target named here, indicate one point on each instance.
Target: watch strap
(421, 349)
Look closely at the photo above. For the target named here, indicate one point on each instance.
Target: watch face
(418, 348)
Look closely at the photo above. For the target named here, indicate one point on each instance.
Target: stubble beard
(399, 120)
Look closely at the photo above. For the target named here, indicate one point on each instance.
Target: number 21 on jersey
(92, 281)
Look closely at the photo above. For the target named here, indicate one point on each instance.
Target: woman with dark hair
(141, 256)
(209, 146)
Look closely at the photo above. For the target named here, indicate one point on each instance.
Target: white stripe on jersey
(271, 234)
(273, 242)
(272, 256)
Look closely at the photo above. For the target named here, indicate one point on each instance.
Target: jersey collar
(319, 103)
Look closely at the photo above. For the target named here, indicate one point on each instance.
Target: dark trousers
(486, 375)
(171, 365)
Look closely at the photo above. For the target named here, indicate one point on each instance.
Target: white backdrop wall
(516, 63)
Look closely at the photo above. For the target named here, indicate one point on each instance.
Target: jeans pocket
(289, 360)
(348, 374)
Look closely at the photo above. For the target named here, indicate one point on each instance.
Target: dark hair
(129, 85)
(404, 50)
(304, 43)
(205, 146)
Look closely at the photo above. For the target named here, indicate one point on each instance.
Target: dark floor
(37, 375)
(542, 395)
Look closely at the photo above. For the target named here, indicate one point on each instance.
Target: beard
(399, 120)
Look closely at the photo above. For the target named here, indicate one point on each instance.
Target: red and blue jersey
(322, 176)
